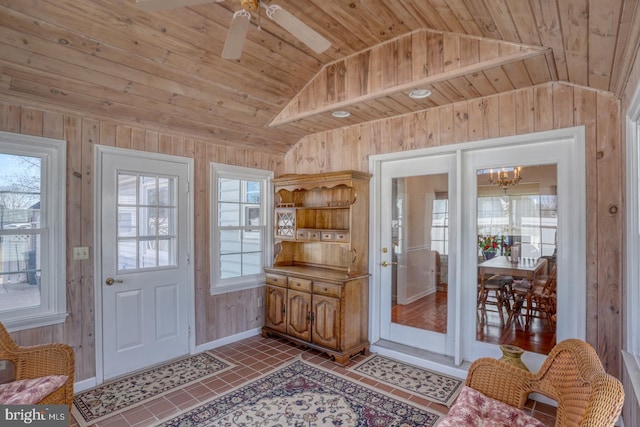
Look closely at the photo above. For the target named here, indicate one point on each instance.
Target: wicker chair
(572, 375)
(40, 361)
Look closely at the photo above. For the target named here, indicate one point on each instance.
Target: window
(147, 217)
(528, 219)
(32, 231)
(440, 224)
(632, 294)
(240, 211)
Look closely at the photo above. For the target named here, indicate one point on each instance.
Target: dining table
(524, 268)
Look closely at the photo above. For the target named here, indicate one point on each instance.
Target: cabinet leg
(342, 360)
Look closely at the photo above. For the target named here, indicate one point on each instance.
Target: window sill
(632, 365)
(220, 290)
(13, 325)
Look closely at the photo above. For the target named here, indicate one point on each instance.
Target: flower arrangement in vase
(490, 245)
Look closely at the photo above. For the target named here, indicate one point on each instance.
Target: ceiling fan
(240, 23)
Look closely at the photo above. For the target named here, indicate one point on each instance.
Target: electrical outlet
(81, 252)
(259, 301)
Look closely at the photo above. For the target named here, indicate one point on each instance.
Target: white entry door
(145, 260)
(417, 252)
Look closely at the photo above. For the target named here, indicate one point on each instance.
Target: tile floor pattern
(253, 357)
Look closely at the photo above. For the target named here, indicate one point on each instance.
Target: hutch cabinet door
(299, 315)
(326, 321)
(276, 313)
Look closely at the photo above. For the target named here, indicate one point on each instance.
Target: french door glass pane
(517, 228)
(420, 245)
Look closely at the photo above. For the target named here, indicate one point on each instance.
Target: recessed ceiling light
(419, 93)
(341, 114)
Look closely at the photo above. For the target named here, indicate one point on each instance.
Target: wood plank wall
(541, 108)
(217, 317)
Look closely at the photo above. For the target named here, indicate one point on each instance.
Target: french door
(425, 225)
(418, 252)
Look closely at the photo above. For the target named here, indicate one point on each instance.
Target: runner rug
(430, 385)
(301, 394)
(108, 399)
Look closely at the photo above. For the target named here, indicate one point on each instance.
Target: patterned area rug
(111, 398)
(431, 385)
(301, 394)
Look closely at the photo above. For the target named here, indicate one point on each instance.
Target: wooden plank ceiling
(162, 70)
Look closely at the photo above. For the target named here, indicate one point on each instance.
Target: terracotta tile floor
(253, 357)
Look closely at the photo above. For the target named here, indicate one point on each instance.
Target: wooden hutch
(317, 292)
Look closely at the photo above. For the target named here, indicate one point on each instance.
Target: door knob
(110, 281)
(386, 264)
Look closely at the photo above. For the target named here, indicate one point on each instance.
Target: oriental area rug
(302, 394)
(430, 385)
(91, 406)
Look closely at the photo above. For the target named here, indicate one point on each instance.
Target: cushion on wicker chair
(30, 391)
(473, 408)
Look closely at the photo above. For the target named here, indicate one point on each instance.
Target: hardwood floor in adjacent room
(430, 313)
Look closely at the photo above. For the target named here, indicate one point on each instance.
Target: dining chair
(494, 291)
(536, 299)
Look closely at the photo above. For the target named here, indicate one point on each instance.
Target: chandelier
(503, 179)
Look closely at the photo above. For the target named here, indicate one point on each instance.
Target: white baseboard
(228, 340)
(83, 385)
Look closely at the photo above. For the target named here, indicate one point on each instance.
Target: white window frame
(633, 231)
(53, 294)
(265, 177)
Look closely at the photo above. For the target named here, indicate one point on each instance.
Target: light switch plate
(81, 252)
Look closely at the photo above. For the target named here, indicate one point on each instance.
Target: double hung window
(32, 231)
(240, 212)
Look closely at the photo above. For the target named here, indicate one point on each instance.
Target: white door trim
(576, 325)
(98, 152)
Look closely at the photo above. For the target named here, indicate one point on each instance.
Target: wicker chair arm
(500, 381)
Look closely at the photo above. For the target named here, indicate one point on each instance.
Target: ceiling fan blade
(237, 35)
(153, 5)
(299, 29)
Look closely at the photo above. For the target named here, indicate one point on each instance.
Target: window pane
(148, 221)
(127, 221)
(253, 192)
(252, 241)
(127, 255)
(166, 221)
(165, 192)
(251, 263)
(166, 252)
(148, 190)
(228, 214)
(147, 254)
(19, 271)
(19, 192)
(228, 190)
(230, 266)
(127, 189)
(230, 241)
